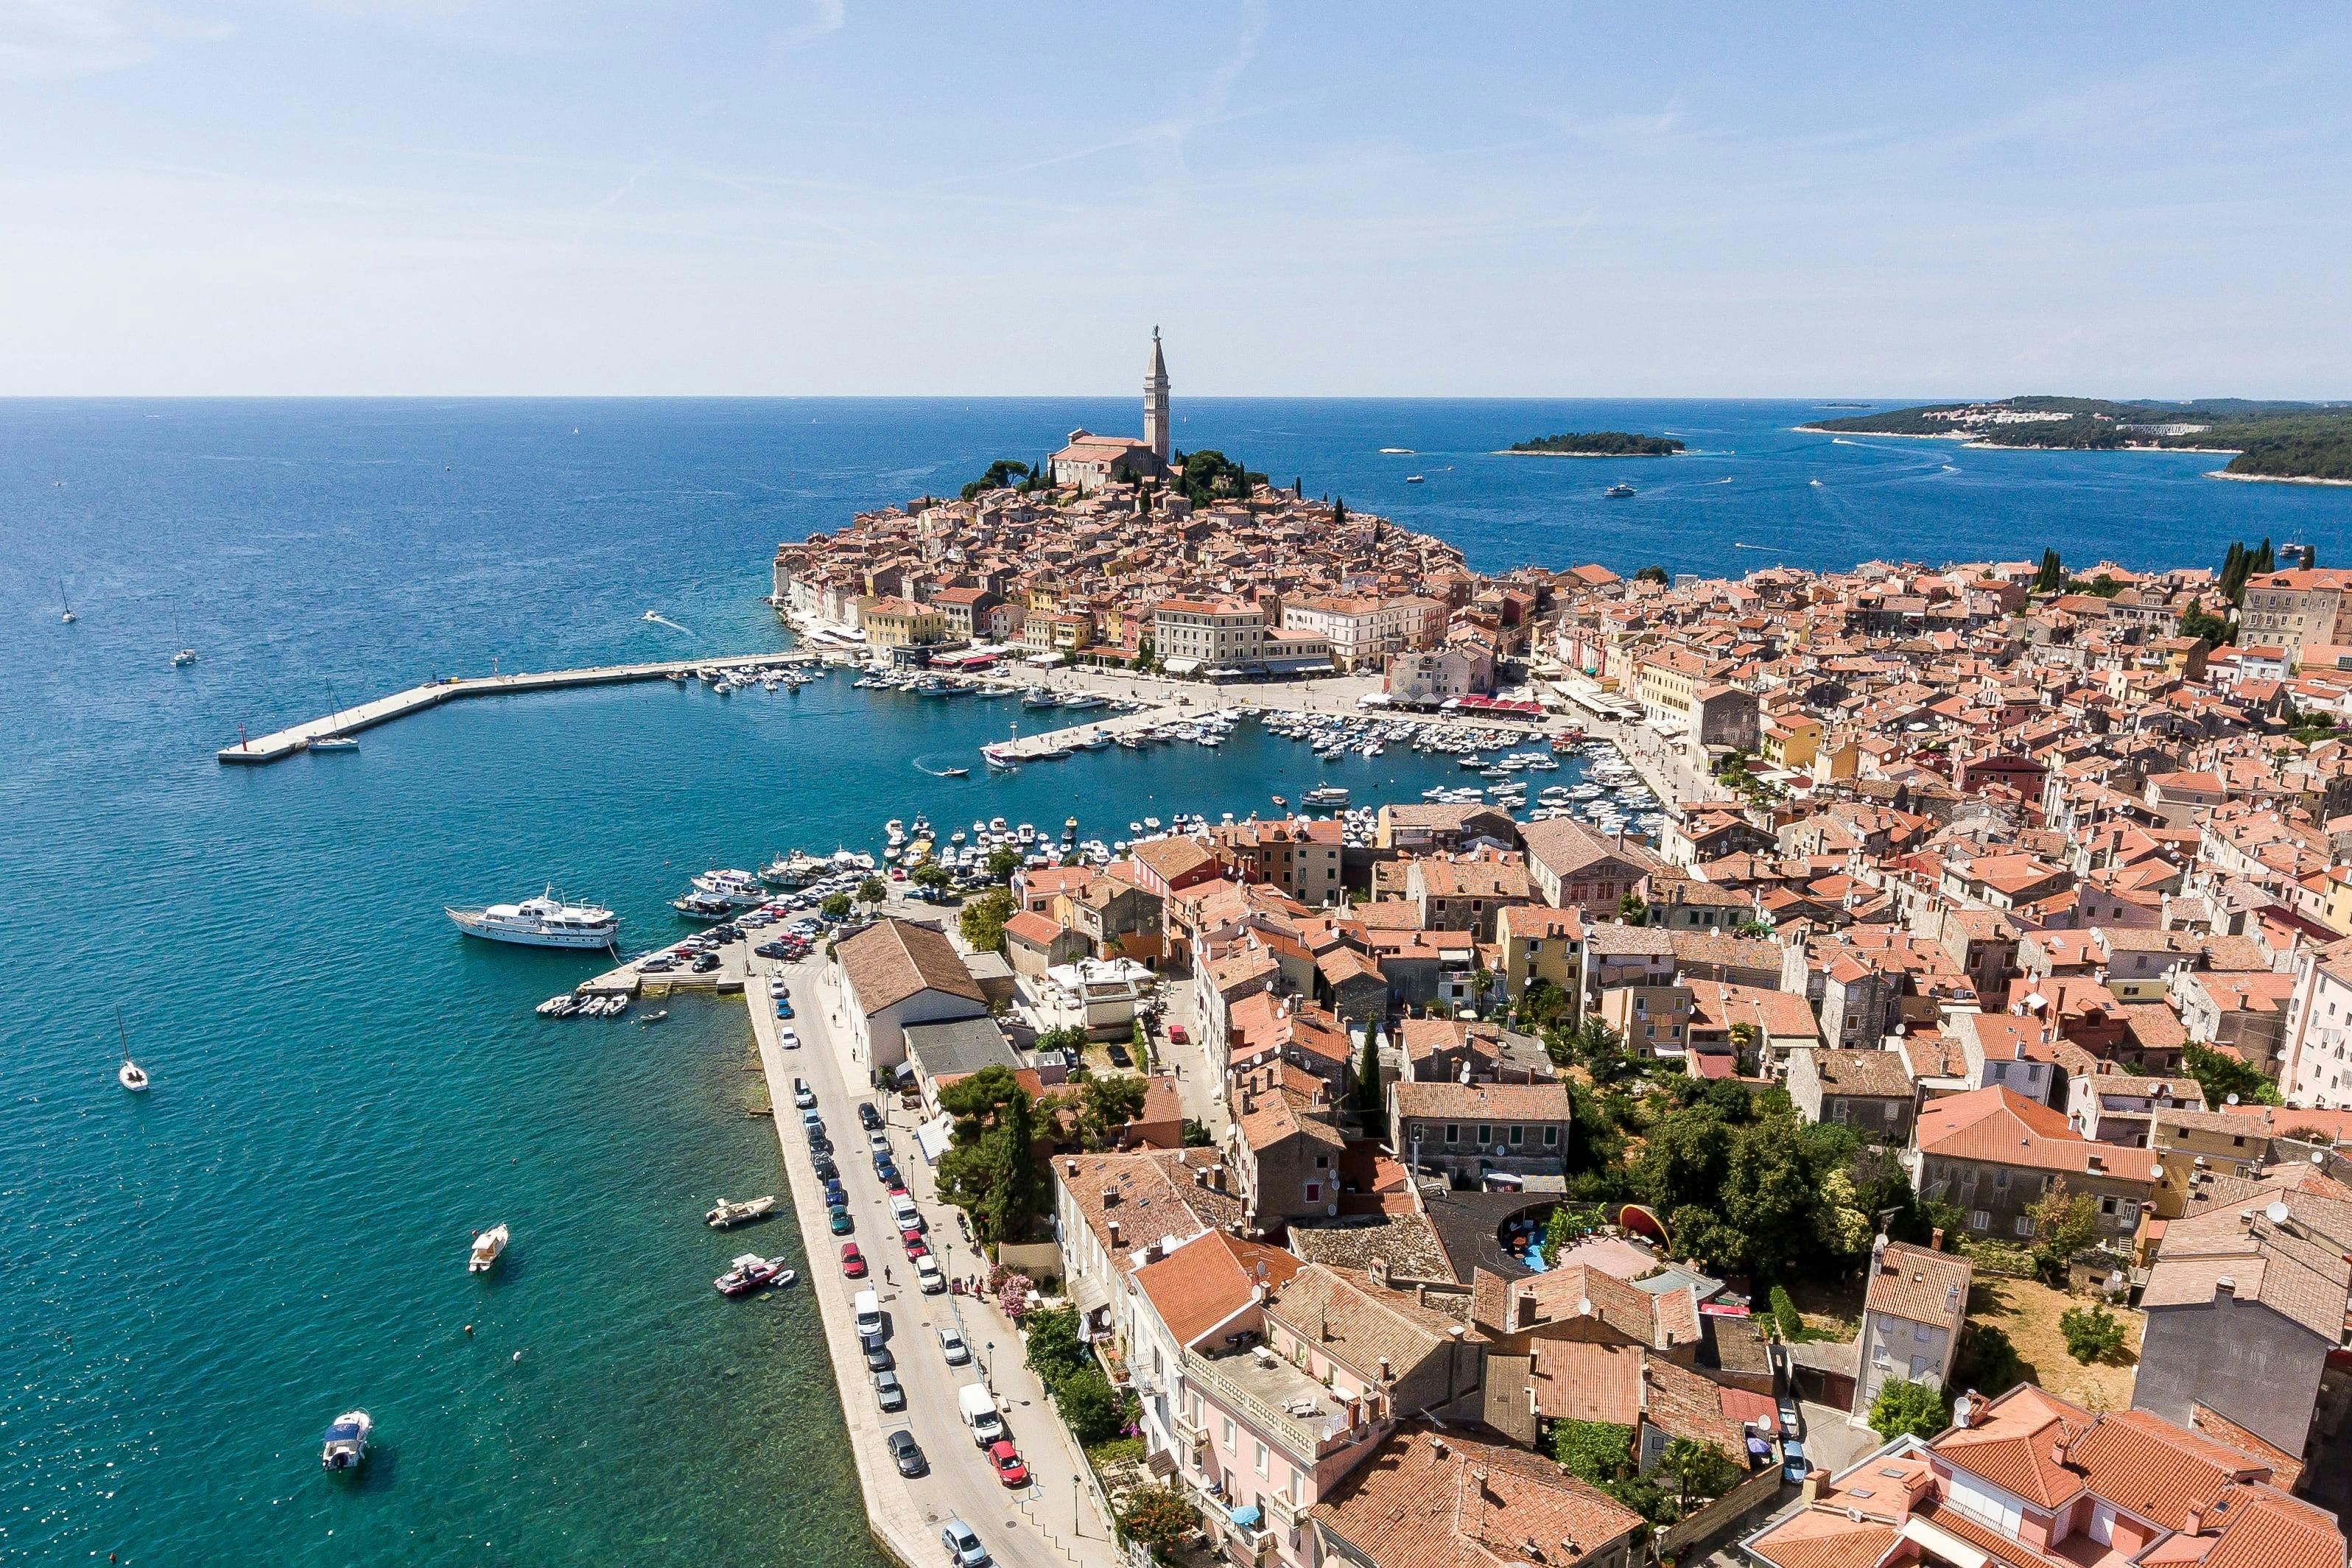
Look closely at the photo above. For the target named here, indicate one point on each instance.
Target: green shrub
(1593, 1451)
(1904, 1407)
(2092, 1334)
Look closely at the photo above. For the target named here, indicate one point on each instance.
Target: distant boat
(1412, 479)
(1396, 451)
(184, 657)
(488, 1244)
(347, 1440)
(130, 1075)
(955, 772)
(1815, 483)
(65, 605)
(1618, 491)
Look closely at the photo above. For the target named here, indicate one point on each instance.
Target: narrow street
(1054, 1522)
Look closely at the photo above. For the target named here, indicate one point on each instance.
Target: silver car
(964, 1549)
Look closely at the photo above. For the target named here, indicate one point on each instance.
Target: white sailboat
(185, 655)
(65, 605)
(130, 1075)
(334, 739)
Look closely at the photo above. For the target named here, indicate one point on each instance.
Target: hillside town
(1924, 1151)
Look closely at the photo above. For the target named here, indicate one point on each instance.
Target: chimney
(1815, 1479)
(2225, 1286)
(1935, 1239)
(1114, 1233)
(1437, 1448)
(2195, 1522)
(1378, 1272)
(1071, 1167)
(1384, 1369)
(1110, 1197)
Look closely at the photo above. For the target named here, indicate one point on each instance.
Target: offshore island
(1598, 444)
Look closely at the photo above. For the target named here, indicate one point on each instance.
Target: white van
(928, 1276)
(868, 1306)
(903, 1210)
(978, 1408)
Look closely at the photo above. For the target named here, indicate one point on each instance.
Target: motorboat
(1412, 479)
(698, 906)
(488, 1244)
(726, 1212)
(955, 772)
(347, 1441)
(1618, 491)
(749, 1272)
(1325, 795)
(736, 887)
(1038, 696)
(545, 921)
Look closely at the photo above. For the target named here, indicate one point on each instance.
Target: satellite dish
(2278, 1212)
(2230, 1101)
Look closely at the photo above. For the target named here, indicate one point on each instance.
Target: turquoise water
(197, 1281)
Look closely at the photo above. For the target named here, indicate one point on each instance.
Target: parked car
(912, 1241)
(887, 1390)
(878, 1358)
(907, 1452)
(659, 964)
(827, 1170)
(964, 1549)
(853, 1261)
(951, 1345)
(840, 1223)
(927, 1272)
(1176, 1034)
(868, 1117)
(1793, 1463)
(1119, 1056)
(802, 1096)
(1009, 1467)
(788, 1038)
(704, 964)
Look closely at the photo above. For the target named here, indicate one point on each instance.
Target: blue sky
(493, 196)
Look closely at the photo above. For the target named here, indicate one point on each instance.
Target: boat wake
(938, 769)
(658, 619)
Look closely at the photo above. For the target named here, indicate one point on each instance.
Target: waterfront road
(1054, 1522)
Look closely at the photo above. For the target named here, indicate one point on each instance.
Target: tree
(1902, 1406)
(1160, 1516)
(1593, 1451)
(1632, 910)
(1003, 862)
(1196, 1134)
(1055, 1351)
(2052, 575)
(1371, 1108)
(1106, 1103)
(1755, 928)
(989, 1171)
(835, 907)
(2221, 1075)
(1698, 1470)
(930, 875)
(2092, 1334)
(1062, 1037)
(1090, 1407)
(2063, 1222)
(1652, 573)
(1988, 1362)
(873, 891)
(2198, 621)
(1001, 473)
(1786, 1319)
(981, 921)
(1340, 511)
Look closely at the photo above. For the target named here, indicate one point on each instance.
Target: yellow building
(1837, 757)
(1667, 684)
(1539, 943)
(1650, 1018)
(902, 624)
(1790, 740)
(2335, 909)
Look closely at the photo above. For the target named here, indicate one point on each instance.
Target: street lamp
(1074, 1484)
(987, 1364)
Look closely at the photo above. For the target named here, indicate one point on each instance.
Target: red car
(1176, 1034)
(915, 1244)
(1009, 1467)
(853, 1261)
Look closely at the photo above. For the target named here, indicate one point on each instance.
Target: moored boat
(545, 921)
(728, 1212)
(346, 1442)
(488, 1247)
(749, 1272)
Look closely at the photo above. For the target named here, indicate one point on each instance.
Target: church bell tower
(1155, 402)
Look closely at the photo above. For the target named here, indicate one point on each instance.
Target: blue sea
(197, 1280)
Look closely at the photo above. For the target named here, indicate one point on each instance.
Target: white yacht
(488, 1244)
(542, 921)
(736, 887)
(347, 1440)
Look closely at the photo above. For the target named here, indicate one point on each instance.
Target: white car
(951, 1345)
(788, 1038)
(776, 986)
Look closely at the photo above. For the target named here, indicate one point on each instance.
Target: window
(2001, 1176)
(2023, 1224)
(1921, 1330)
(1261, 1458)
(1519, 1135)
(1453, 1132)
(1980, 1220)
(1228, 1434)
(1314, 1192)
(1485, 1132)
(1551, 1137)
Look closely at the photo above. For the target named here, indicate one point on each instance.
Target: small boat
(749, 1273)
(1618, 491)
(1412, 479)
(65, 606)
(1278, 801)
(488, 1244)
(727, 1213)
(653, 1017)
(334, 743)
(130, 1075)
(1396, 452)
(347, 1440)
(955, 772)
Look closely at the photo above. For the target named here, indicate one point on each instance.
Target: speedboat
(183, 658)
(488, 1244)
(738, 887)
(749, 1273)
(347, 1440)
(1618, 491)
(545, 921)
(1412, 478)
(955, 772)
(728, 1213)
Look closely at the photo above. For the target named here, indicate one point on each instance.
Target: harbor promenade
(1056, 1520)
(279, 744)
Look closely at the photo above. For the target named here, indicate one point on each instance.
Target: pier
(1111, 724)
(281, 744)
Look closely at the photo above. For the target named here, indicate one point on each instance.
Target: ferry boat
(488, 1244)
(542, 921)
(1325, 795)
(346, 1441)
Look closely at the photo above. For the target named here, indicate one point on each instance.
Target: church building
(1091, 461)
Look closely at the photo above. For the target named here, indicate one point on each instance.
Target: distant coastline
(2276, 440)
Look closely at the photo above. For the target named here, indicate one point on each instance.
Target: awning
(1043, 659)
(932, 1137)
(1180, 666)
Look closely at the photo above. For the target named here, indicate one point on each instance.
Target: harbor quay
(280, 744)
(1055, 1522)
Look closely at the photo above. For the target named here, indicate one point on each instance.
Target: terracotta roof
(1432, 1497)
(1925, 1287)
(1208, 1280)
(892, 960)
(1998, 1127)
(1484, 1101)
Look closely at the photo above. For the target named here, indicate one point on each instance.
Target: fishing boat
(346, 1442)
(185, 655)
(726, 1212)
(488, 1244)
(130, 1075)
